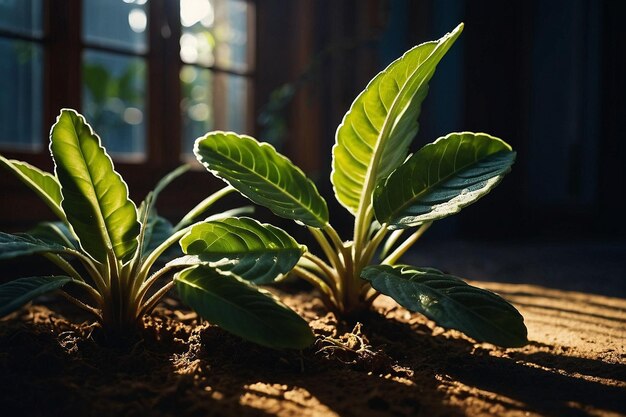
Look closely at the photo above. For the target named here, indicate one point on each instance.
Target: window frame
(63, 47)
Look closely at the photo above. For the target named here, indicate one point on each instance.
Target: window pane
(116, 23)
(21, 16)
(196, 104)
(200, 89)
(236, 92)
(114, 100)
(21, 101)
(215, 32)
(231, 23)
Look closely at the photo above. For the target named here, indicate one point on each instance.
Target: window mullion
(62, 51)
(163, 83)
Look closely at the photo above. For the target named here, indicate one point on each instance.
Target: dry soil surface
(393, 363)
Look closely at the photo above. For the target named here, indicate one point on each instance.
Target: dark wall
(547, 77)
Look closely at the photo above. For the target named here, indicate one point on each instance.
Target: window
(21, 74)
(214, 52)
(150, 76)
(113, 70)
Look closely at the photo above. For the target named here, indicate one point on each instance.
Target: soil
(392, 363)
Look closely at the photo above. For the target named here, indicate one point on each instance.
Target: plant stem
(370, 295)
(145, 213)
(332, 256)
(94, 268)
(361, 226)
(334, 237)
(330, 300)
(81, 305)
(64, 265)
(310, 265)
(154, 299)
(97, 297)
(331, 274)
(371, 246)
(404, 246)
(77, 279)
(393, 238)
(361, 229)
(154, 255)
(150, 281)
(202, 206)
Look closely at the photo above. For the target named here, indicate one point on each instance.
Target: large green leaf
(44, 184)
(95, 198)
(451, 303)
(242, 309)
(16, 293)
(442, 178)
(57, 232)
(257, 252)
(158, 230)
(375, 134)
(12, 246)
(263, 175)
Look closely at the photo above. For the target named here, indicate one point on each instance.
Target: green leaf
(158, 230)
(95, 198)
(257, 252)
(442, 178)
(235, 212)
(16, 293)
(57, 232)
(374, 136)
(154, 228)
(45, 185)
(242, 309)
(263, 175)
(12, 246)
(451, 303)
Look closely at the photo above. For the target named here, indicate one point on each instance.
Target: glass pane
(21, 16)
(215, 32)
(200, 89)
(114, 102)
(196, 105)
(231, 24)
(116, 23)
(236, 88)
(21, 101)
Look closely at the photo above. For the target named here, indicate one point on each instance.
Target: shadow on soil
(52, 368)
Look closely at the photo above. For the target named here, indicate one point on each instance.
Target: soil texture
(390, 363)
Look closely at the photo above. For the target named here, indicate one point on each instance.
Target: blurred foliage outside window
(214, 52)
(214, 71)
(21, 74)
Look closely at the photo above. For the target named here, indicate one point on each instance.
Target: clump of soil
(390, 363)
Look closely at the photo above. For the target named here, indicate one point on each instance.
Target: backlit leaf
(257, 252)
(442, 178)
(374, 136)
(263, 175)
(95, 198)
(45, 185)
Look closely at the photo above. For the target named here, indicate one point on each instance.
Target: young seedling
(388, 192)
(117, 247)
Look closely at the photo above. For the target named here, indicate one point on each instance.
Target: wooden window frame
(63, 47)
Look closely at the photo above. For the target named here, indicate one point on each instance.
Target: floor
(592, 267)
